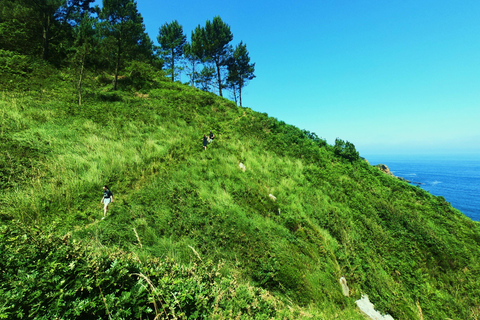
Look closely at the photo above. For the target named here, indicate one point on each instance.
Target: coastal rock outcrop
(386, 170)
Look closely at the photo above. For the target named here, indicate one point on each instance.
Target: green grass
(195, 210)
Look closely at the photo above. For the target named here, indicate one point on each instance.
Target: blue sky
(392, 77)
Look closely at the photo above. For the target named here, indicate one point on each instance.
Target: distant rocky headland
(386, 170)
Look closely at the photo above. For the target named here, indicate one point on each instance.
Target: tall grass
(331, 218)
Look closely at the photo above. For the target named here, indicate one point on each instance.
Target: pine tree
(18, 28)
(240, 70)
(172, 40)
(124, 34)
(194, 53)
(33, 26)
(205, 77)
(46, 15)
(84, 44)
(216, 36)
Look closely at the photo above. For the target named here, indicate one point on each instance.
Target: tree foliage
(56, 31)
(124, 34)
(85, 43)
(346, 150)
(240, 70)
(18, 28)
(215, 39)
(38, 26)
(172, 39)
(194, 53)
(205, 77)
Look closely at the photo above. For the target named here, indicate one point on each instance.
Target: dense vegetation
(73, 35)
(190, 234)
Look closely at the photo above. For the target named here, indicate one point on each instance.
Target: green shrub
(45, 276)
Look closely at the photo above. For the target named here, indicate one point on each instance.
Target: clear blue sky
(392, 77)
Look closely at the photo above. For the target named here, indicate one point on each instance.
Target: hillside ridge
(333, 216)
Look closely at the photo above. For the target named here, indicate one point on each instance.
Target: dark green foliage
(193, 53)
(85, 44)
(240, 70)
(205, 77)
(124, 35)
(13, 65)
(18, 162)
(141, 76)
(214, 39)
(19, 31)
(345, 150)
(315, 138)
(46, 277)
(24, 73)
(172, 40)
(42, 28)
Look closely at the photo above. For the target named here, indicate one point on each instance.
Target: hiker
(205, 142)
(211, 136)
(107, 198)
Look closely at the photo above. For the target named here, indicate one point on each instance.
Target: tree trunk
(117, 65)
(173, 67)
(193, 74)
(240, 94)
(80, 81)
(115, 78)
(219, 78)
(46, 27)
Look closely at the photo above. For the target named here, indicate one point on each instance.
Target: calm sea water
(457, 179)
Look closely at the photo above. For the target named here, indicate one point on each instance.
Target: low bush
(48, 277)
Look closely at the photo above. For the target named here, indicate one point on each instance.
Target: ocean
(457, 179)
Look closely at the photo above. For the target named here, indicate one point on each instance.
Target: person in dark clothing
(205, 142)
(211, 136)
(106, 199)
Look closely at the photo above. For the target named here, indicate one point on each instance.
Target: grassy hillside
(190, 234)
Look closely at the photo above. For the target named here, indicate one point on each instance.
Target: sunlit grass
(330, 218)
